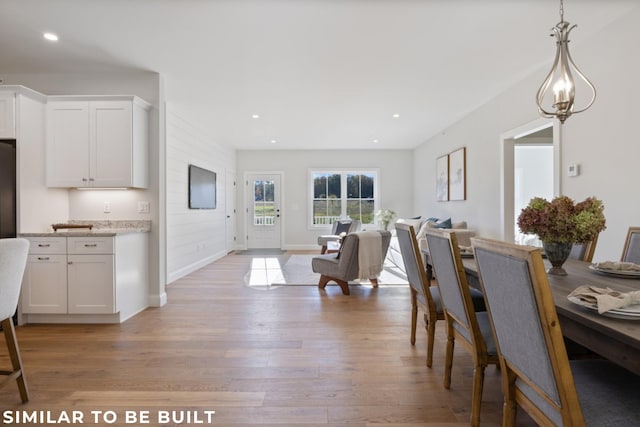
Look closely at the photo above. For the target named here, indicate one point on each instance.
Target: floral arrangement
(385, 216)
(563, 221)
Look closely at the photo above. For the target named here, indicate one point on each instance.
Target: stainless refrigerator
(7, 188)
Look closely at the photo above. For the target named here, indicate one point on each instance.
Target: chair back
(584, 251)
(414, 264)
(13, 259)
(631, 251)
(454, 289)
(535, 369)
(345, 226)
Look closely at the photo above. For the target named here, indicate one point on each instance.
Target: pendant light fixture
(561, 78)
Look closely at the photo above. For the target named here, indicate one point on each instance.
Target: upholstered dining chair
(13, 259)
(464, 324)
(631, 251)
(341, 226)
(584, 251)
(536, 373)
(423, 295)
(345, 265)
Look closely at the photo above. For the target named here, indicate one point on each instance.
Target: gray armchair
(344, 266)
(341, 226)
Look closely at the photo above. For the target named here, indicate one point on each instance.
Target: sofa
(420, 226)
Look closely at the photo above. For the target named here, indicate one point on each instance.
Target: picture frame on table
(442, 178)
(458, 174)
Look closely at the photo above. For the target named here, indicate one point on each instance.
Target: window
(343, 194)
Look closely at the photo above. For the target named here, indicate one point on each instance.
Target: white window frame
(343, 172)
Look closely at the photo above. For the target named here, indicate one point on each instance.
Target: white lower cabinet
(84, 279)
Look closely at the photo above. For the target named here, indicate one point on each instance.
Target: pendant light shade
(557, 94)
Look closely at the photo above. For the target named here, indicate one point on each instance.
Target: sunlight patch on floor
(265, 271)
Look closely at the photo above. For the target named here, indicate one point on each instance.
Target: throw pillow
(444, 224)
(411, 221)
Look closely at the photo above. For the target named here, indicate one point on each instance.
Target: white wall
(194, 237)
(603, 140)
(396, 184)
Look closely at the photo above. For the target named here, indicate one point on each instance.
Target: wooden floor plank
(284, 356)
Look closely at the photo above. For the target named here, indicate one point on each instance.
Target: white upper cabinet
(98, 142)
(7, 115)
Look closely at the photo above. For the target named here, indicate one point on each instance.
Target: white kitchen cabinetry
(97, 141)
(92, 279)
(7, 115)
(90, 286)
(44, 285)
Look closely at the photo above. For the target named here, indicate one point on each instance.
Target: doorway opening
(530, 168)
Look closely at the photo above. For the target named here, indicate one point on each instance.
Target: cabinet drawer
(90, 245)
(47, 245)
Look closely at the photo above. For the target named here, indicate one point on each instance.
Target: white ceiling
(320, 73)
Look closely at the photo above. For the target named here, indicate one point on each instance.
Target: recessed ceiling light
(255, 116)
(51, 37)
(273, 141)
(375, 141)
(395, 116)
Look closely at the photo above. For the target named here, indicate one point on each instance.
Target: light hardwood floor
(288, 356)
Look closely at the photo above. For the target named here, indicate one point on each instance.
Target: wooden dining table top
(613, 338)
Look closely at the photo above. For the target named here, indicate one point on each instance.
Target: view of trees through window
(339, 195)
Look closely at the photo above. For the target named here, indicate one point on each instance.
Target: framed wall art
(458, 174)
(442, 178)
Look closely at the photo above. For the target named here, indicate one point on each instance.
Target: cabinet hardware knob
(84, 179)
(70, 262)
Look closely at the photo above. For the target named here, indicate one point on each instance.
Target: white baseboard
(175, 275)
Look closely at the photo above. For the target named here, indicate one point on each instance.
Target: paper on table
(617, 265)
(605, 298)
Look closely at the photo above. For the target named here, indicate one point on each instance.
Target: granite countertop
(99, 229)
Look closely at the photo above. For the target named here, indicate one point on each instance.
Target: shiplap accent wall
(194, 237)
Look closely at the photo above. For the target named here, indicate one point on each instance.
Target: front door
(263, 211)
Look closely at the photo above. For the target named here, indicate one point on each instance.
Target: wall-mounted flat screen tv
(202, 188)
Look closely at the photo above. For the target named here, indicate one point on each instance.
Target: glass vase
(557, 253)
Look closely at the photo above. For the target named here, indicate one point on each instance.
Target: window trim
(343, 172)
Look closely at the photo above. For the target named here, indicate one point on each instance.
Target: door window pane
(264, 212)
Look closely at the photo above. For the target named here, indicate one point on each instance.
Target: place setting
(607, 302)
(628, 270)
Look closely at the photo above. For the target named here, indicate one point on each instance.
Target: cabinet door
(111, 149)
(44, 284)
(91, 287)
(7, 115)
(68, 144)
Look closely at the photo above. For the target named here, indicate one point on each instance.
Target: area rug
(296, 270)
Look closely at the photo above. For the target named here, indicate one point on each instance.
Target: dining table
(614, 338)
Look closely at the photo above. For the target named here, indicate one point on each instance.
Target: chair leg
(448, 363)
(431, 332)
(325, 279)
(374, 282)
(323, 249)
(476, 395)
(14, 355)
(414, 316)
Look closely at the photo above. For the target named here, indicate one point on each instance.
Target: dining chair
(584, 251)
(423, 295)
(536, 373)
(631, 251)
(464, 324)
(13, 259)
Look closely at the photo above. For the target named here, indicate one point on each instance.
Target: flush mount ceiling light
(560, 78)
(255, 116)
(51, 37)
